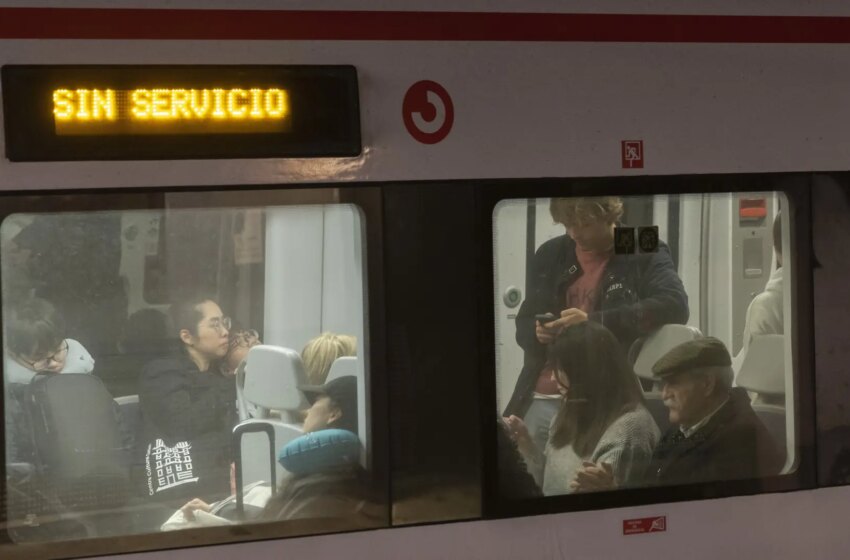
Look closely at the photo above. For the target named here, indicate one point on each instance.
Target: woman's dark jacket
(733, 445)
(638, 293)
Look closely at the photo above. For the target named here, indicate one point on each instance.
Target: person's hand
(546, 332)
(569, 317)
(592, 477)
(190, 508)
(518, 432)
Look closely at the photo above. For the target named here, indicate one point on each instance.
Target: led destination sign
(170, 110)
(55, 113)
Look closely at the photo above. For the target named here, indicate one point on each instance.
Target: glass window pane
(643, 341)
(186, 367)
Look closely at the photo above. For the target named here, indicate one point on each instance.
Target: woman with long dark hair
(601, 420)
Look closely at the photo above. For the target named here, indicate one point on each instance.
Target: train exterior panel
(708, 123)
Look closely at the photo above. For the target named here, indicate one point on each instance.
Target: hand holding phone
(544, 318)
(544, 335)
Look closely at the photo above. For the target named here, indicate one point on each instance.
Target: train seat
(272, 377)
(347, 365)
(244, 409)
(131, 413)
(773, 418)
(660, 413)
(763, 368)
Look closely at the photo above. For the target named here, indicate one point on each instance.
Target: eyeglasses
(221, 325)
(44, 363)
(245, 339)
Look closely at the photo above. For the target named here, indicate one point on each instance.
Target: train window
(214, 365)
(643, 341)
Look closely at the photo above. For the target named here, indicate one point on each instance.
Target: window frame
(796, 187)
(368, 199)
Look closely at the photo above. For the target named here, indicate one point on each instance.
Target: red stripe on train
(90, 23)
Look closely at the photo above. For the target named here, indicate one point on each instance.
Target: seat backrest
(78, 440)
(347, 365)
(254, 452)
(660, 413)
(350, 365)
(659, 343)
(131, 414)
(773, 418)
(272, 377)
(245, 409)
(763, 368)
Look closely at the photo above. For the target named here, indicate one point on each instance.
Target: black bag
(78, 441)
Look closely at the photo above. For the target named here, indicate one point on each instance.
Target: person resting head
(325, 480)
(332, 405)
(330, 429)
(36, 343)
(321, 352)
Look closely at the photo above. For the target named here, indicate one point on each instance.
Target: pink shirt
(582, 294)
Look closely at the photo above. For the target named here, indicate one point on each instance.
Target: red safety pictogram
(428, 112)
(632, 152)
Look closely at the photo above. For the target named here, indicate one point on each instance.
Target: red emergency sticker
(632, 152)
(645, 525)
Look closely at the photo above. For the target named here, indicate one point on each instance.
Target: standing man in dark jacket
(578, 277)
(715, 434)
(189, 407)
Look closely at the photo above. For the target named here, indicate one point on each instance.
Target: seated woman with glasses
(36, 343)
(189, 407)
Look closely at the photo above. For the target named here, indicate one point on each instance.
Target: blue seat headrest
(320, 451)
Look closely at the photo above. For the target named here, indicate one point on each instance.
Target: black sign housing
(323, 119)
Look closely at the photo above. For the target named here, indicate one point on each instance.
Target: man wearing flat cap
(715, 434)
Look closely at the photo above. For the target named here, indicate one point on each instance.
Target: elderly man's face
(687, 396)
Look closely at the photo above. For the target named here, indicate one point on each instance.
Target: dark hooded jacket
(638, 294)
(182, 405)
(733, 445)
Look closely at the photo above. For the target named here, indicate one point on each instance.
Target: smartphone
(546, 318)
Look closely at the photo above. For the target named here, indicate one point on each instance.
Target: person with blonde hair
(321, 352)
(579, 277)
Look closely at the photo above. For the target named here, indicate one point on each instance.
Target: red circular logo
(428, 112)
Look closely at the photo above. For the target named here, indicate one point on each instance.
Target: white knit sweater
(626, 445)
